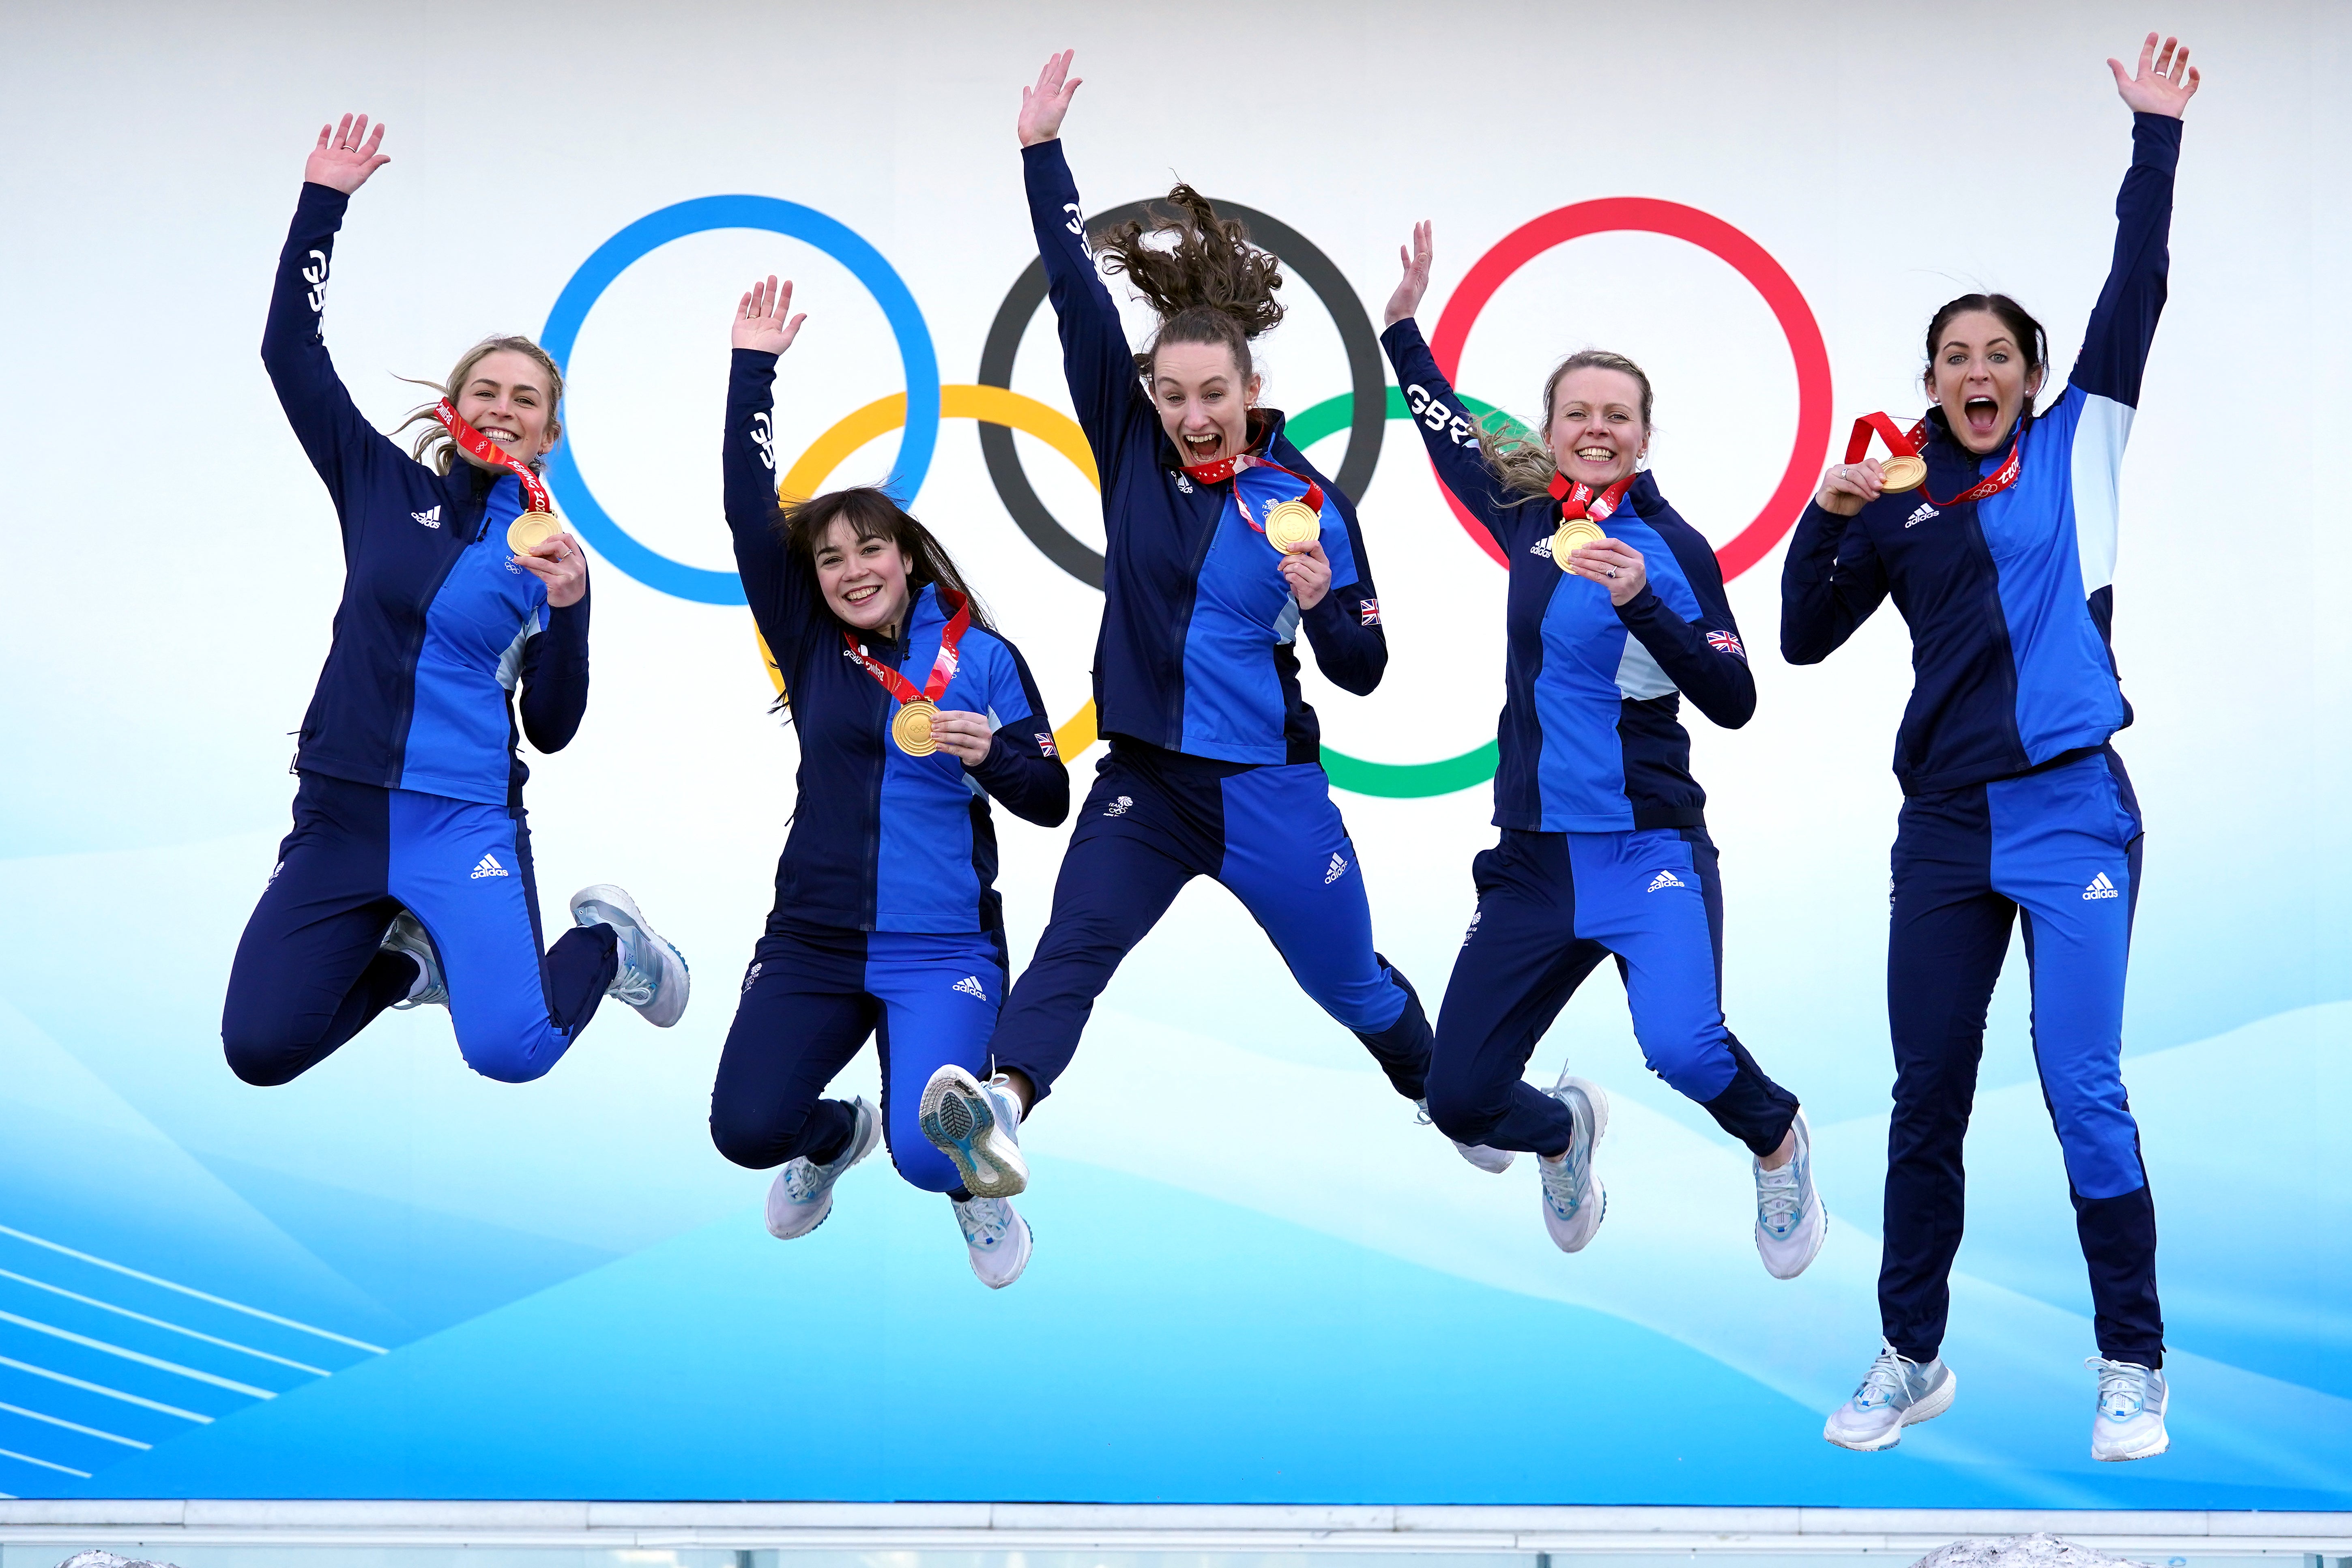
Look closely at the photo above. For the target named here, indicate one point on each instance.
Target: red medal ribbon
(943, 668)
(1224, 468)
(1908, 444)
(479, 446)
(1576, 499)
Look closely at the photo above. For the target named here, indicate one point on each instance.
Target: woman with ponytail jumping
(912, 712)
(407, 876)
(1993, 528)
(1224, 547)
(1615, 613)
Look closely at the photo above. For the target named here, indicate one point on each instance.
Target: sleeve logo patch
(1726, 642)
(1045, 745)
(1371, 611)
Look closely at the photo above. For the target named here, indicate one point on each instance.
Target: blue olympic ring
(654, 230)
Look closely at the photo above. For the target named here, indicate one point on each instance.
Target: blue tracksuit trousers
(2060, 846)
(810, 997)
(1155, 820)
(1551, 906)
(309, 970)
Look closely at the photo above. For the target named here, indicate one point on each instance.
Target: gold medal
(1574, 534)
(531, 530)
(1904, 473)
(1292, 525)
(911, 728)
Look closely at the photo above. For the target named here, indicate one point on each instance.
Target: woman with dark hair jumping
(2014, 805)
(407, 876)
(1223, 546)
(912, 712)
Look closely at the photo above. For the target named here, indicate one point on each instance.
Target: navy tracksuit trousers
(1155, 820)
(810, 997)
(1551, 906)
(310, 970)
(2061, 847)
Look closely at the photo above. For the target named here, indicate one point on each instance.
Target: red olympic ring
(1710, 233)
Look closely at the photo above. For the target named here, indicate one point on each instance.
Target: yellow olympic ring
(992, 404)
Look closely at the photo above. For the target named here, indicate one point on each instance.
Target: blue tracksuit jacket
(437, 628)
(1590, 737)
(2010, 598)
(880, 841)
(1197, 652)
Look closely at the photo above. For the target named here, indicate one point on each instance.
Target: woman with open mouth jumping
(1993, 528)
(912, 712)
(1225, 545)
(407, 876)
(1615, 613)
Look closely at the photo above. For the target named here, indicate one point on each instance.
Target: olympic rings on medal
(657, 229)
(1367, 373)
(1726, 244)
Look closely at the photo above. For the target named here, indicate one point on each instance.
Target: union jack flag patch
(1371, 612)
(1045, 744)
(1726, 642)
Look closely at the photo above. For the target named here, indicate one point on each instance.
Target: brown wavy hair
(1521, 458)
(1200, 274)
(434, 447)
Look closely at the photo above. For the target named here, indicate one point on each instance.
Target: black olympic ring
(1367, 421)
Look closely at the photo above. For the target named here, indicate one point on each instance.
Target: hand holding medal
(918, 727)
(1307, 571)
(1611, 562)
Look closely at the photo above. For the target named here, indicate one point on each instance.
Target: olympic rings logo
(1363, 412)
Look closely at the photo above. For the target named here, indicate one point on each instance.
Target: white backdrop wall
(562, 1289)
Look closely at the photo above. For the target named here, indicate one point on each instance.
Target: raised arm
(1096, 357)
(335, 437)
(2123, 323)
(781, 591)
(1447, 428)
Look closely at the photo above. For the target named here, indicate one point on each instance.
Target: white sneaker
(406, 935)
(997, 1237)
(653, 976)
(1574, 1201)
(2130, 1422)
(1895, 1393)
(977, 1125)
(1496, 1161)
(801, 1195)
(1791, 1222)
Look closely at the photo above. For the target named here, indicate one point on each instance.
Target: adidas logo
(970, 986)
(1337, 869)
(1118, 807)
(1541, 547)
(1475, 916)
(487, 865)
(429, 519)
(2101, 887)
(1665, 879)
(1925, 512)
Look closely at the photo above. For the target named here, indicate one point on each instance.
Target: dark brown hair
(1523, 460)
(872, 514)
(2031, 338)
(1211, 286)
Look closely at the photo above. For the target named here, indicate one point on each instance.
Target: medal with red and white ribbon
(910, 727)
(1905, 469)
(1581, 513)
(537, 524)
(1290, 525)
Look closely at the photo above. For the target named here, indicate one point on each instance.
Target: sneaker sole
(956, 1117)
(1927, 1409)
(864, 1146)
(1021, 1263)
(675, 978)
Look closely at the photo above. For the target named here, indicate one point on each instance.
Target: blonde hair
(1522, 459)
(434, 447)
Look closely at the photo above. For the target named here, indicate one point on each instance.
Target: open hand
(558, 563)
(1415, 281)
(962, 735)
(2164, 83)
(1309, 573)
(1615, 565)
(763, 318)
(346, 155)
(1043, 106)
